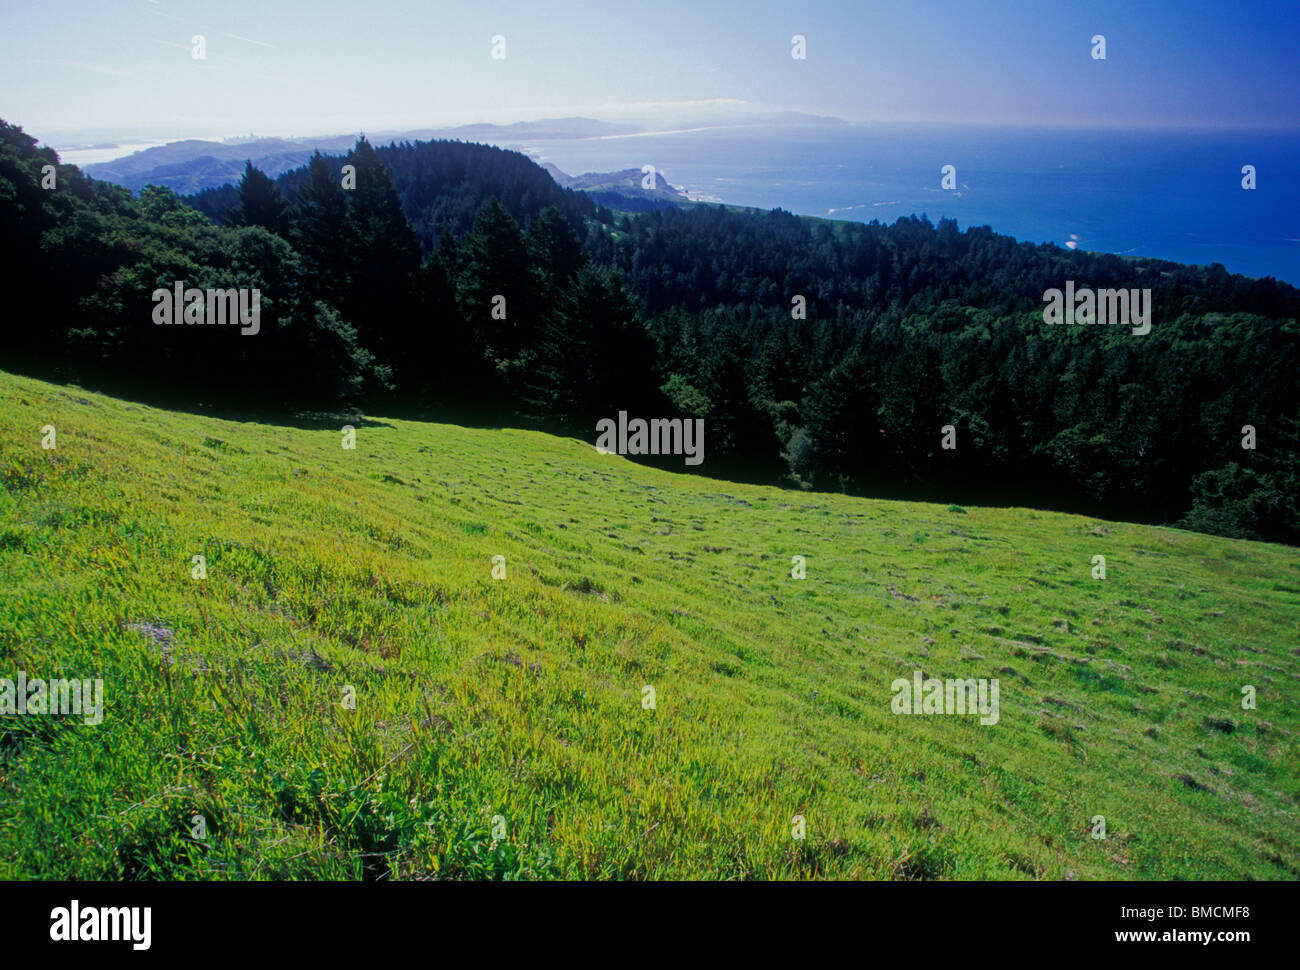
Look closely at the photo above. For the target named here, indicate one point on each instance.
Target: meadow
(348, 692)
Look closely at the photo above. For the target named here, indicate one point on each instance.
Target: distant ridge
(192, 165)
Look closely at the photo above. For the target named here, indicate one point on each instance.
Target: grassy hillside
(521, 697)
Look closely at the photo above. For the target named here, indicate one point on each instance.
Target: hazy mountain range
(192, 165)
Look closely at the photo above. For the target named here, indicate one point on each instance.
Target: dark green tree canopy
(260, 202)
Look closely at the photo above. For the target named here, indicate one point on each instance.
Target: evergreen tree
(594, 357)
(383, 259)
(740, 436)
(260, 203)
(321, 232)
(497, 289)
(555, 250)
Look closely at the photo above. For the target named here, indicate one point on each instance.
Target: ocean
(1176, 195)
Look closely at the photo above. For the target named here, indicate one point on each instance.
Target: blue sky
(288, 67)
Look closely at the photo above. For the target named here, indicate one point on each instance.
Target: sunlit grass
(499, 730)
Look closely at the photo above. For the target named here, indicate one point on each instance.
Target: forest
(820, 355)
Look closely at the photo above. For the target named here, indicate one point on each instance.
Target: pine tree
(321, 232)
(555, 250)
(260, 203)
(494, 263)
(594, 356)
(383, 259)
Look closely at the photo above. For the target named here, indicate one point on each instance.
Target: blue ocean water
(1171, 194)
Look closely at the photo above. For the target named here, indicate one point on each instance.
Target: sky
(125, 68)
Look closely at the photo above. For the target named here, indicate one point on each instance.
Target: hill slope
(193, 165)
(499, 727)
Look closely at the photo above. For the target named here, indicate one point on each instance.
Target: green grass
(521, 698)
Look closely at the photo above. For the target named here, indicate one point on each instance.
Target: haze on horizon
(123, 68)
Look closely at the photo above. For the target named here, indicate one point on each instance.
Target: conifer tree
(383, 260)
(321, 232)
(495, 280)
(260, 203)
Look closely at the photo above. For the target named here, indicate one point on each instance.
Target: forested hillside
(442, 186)
(819, 354)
